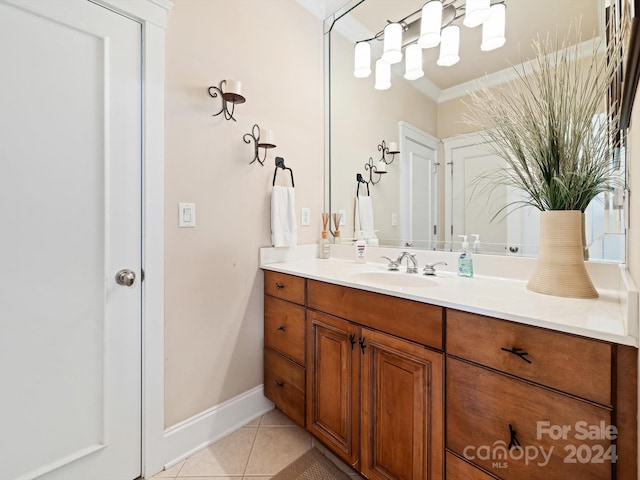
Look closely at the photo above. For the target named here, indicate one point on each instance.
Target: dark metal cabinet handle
(282, 328)
(518, 352)
(279, 384)
(352, 339)
(362, 344)
(513, 441)
(279, 285)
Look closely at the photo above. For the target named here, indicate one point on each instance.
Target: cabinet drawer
(484, 406)
(287, 287)
(284, 328)
(415, 321)
(284, 385)
(572, 364)
(460, 470)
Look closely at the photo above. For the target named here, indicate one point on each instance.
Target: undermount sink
(394, 279)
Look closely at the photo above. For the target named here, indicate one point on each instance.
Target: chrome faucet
(412, 262)
(393, 266)
(430, 268)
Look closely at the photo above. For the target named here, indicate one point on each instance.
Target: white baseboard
(195, 433)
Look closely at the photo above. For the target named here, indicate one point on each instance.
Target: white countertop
(606, 318)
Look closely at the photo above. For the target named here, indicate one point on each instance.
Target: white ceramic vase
(560, 269)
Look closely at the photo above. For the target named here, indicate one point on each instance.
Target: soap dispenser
(465, 262)
(476, 243)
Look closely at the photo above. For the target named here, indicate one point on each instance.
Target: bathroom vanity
(401, 382)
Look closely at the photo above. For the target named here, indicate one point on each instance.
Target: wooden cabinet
(513, 428)
(333, 384)
(525, 402)
(458, 469)
(382, 389)
(284, 339)
(402, 409)
(367, 374)
(571, 364)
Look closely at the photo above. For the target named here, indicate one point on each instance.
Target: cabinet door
(402, 415)
(332, 384)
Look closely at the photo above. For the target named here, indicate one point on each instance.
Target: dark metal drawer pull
(279, 383)
(282, 328)
(279, 285)
(513, 442)
(518, 352)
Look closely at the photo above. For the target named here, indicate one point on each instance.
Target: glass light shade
(362, 60)
(430, 24)
(383, 75)
(413, 62)
(449, 46)
(476, 12)
(493, 29)
(392, 43)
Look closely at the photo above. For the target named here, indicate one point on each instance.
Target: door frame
(406, 131)
(152, 14)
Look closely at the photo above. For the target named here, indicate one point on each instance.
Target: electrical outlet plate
(305, 217)
(343, 215)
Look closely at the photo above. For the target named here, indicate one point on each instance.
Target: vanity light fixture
(392, 150)
(261, 139)
(436, 23)
(449, 46)
(493, 28)
(230, 92)
(392, 50)
(476, 12)
(381, 169)
(413, 62)
(362, 68)
(431, 24)
(383, 75)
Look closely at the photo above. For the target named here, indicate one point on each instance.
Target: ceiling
(525, 20)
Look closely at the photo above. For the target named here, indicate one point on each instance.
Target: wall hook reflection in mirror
(380, 170)
(230, 91)
(392, 150)
(261, 139)
(360, 180)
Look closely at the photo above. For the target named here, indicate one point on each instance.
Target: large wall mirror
(423, 199)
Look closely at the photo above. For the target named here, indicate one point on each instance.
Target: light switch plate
(343, 215)
(305, 217)
(394, 219)
(186, 215)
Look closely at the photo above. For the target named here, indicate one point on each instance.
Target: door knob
(125, 277)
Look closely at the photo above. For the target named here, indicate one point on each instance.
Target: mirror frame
(632, 68)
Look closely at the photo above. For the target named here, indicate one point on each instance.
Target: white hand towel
(364, 214)
(284, 231)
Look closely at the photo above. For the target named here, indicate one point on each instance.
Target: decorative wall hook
(230, 92)
(380, 170)
(265, 142)
(392, 150)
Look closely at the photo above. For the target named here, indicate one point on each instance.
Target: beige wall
(213, 287)
(361, 117)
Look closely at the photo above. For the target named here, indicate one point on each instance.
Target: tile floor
(256, 451)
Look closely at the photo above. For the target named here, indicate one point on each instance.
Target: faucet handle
(393, 264)
(429, 268)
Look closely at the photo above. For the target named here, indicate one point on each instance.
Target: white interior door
(473, 200)
(70, 204)
(418, 186)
